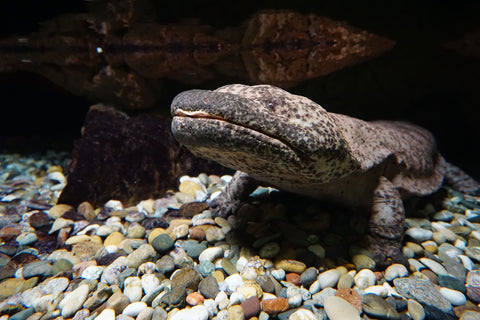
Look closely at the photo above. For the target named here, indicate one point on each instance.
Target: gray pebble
(193, 248)
(422, 291)
(308, 277)
(37, 269)
(162, 243)
(165, 264)
(375, 306)
(208, 287)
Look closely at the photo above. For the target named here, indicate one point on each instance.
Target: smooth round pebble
(210, 254)
(73, 301)
(434, 266)
(394, 271)
(455, 297)
(419, 234)
(415, 310)
(339, 309)
(134, 308)
(365, 278)
(328, 278)
(302, 314)
(106, 314)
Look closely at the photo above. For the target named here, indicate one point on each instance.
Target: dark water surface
(419, 80)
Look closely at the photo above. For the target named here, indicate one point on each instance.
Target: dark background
(419, 80)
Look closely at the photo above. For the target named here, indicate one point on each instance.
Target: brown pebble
(293, 278)
(87, 210)
(197, 233)
(24, 258)
(430, 275)
(39, 219)
(352, 296)
(10, 232)
(461, 309)
(251, 307)
(190, 209)
(194, 299)
(275, 306)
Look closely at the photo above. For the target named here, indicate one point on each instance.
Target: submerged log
(127, 158)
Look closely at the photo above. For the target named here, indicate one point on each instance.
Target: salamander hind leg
(386, 225)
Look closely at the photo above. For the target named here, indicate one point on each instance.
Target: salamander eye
(271, 106)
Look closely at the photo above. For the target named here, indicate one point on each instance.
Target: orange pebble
(293, 278)
(194, 299)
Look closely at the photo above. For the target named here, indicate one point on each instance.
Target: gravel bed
(279, 257)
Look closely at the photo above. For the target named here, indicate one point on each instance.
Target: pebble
(419, 234)
(423, 291)
(162, 243)
(365, 278)
(339, 309)
(328, 278)
(376, 307)
(455, 297)
(289, 265)
(308, 276)
(134, 308)
(210, 254)
(275, 306)
(362, 261)
(251, 307)
(395, 271)
(141, 255)
(434, 266)
(415, 310)
(73, 301)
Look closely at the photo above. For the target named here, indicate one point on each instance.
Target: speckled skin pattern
(276, 138)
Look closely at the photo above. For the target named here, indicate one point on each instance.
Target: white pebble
(278, 274)
(199, 312)
(434, 266)
(315, 287)
(236, 298)
(295, 301)
(210, 254)
(395, 271)
(467, 262)
(133, 288)
(150, 283)
(73, 301)
(92, 272)
(419, 234)
(460, 244)
(302, 314)
(134, 308)
(339, 309)
(365, 278)
(378, 290)
(113, 205)
(233, 282)
(328, 278)
(106, 314)
(455, 297)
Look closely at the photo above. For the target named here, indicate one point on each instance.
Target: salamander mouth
(225, 124)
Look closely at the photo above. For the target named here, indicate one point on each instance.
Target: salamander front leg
(234, 195)
(386, 227)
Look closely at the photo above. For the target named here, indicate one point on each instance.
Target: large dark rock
(127, 158)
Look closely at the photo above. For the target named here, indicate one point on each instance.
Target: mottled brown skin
(273, 137)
